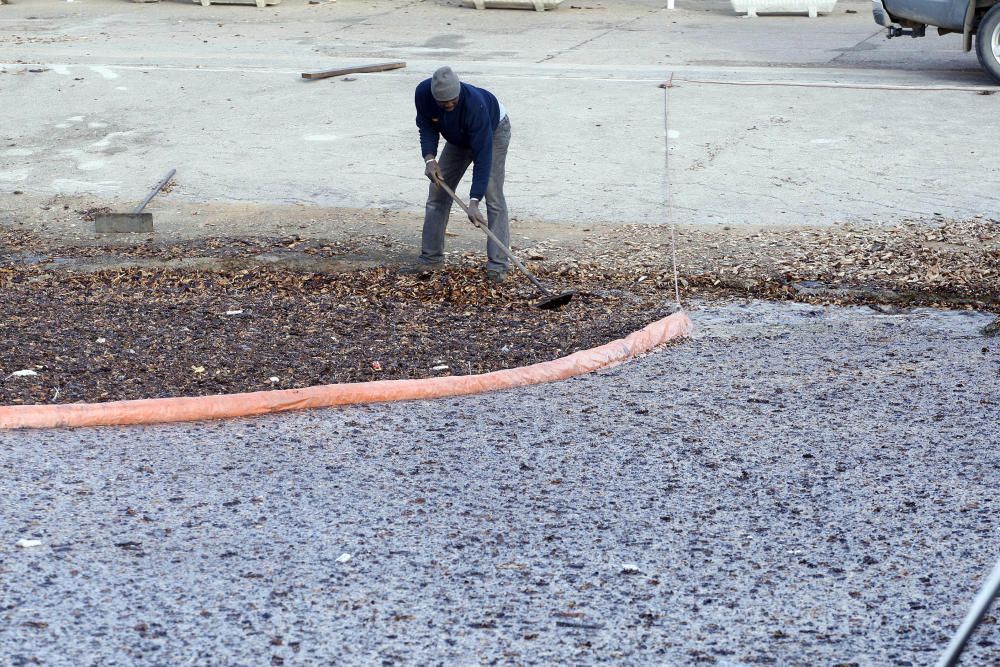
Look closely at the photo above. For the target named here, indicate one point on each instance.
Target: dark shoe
(495, 276)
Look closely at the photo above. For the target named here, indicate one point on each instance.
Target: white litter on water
(343, 558)
(27, 544)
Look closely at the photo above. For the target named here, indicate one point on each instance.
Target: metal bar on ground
(159, 186)
(979, 608)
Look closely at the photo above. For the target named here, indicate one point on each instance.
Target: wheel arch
(972, 18)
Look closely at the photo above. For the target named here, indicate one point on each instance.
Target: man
(477, 131)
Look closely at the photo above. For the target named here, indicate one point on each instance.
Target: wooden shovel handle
(493, 237)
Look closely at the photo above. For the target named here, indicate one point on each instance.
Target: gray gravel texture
(796, 485)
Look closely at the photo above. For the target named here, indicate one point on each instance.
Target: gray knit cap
(445, 85)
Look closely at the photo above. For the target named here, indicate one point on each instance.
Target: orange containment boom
(194, 408)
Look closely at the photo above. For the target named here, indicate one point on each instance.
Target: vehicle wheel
(988, 42)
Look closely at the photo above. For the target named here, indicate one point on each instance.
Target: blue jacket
(470, 125)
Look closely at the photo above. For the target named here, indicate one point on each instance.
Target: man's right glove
(475, 217)
(433, 171)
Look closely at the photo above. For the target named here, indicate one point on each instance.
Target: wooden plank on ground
(379, 67)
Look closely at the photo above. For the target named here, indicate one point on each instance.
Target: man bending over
(477, 131)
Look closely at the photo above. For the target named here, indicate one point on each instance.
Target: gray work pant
(453, 162)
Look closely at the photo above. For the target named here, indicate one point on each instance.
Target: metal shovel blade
(555, 302)
(136, 221)
(119, 223)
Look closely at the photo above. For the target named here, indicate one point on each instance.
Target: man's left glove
(474, 214)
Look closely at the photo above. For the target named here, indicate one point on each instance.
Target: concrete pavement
(133, 89)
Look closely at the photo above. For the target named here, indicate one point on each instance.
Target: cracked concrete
(581, 86)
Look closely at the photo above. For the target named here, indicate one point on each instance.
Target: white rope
(855, 86)
(666, 133)
(666, 183)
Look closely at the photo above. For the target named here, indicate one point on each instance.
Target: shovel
(136, 221)
(550, 300)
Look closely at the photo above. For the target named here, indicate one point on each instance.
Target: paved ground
(134, 89)
(796, 486)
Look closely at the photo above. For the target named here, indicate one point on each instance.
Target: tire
(988, 42)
